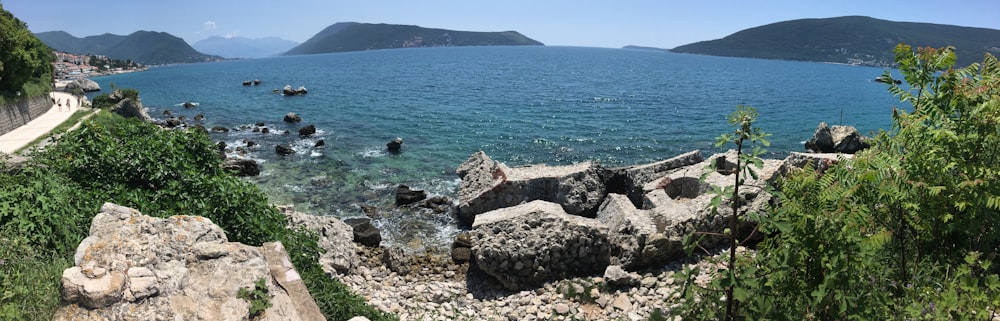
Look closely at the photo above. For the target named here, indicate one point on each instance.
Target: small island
(353, 36)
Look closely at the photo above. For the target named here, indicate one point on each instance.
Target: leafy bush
(905, 230)
(259, 298)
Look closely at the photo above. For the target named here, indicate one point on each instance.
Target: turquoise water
(520, 105)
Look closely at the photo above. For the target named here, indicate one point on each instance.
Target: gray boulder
(615, 275)
(308, 130)
(395, 146)
(528, 244)
(488, 185)
(136, 267)
(131, 109)
(283, 149)
(837, 139)
(365, 233)
(288, 91)
(241, 167)
(405, 195)
(816, 161)
(396, 260)
(292, 118)
(86, 85)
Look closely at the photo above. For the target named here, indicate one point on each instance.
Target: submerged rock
(283, 149)
(292, 118)
(309, 130)
(405, 195)
(395, 146)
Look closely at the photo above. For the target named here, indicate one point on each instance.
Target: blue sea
(521, 105)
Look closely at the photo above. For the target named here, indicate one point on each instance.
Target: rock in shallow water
(364, 232)
(395, 146)
(309, 130)
(405, 195)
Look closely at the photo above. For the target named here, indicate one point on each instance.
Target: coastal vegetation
(105, 64)
(906, 230)
(850, 40)
(353, 36)
(25, 68)
(46, 207)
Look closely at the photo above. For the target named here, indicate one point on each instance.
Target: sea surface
(521, 105)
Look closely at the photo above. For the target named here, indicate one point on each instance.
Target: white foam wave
(373, 152)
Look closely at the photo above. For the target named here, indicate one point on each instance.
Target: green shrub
(906, 230)
(49, 204)
(259, 298)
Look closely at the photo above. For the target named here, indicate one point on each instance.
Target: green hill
(852, 40)
(353, 36)
(145, 47)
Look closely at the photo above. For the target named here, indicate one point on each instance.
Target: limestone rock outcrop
(86, 85)
(136, 267)
(336, 236)
(131, 109)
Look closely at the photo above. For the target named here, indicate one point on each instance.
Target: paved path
(41, 126)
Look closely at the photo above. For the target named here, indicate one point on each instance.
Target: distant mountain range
(241, 47)
(353, 36)
(145, 47)
(852, 40)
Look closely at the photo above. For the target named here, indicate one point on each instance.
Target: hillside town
(74, 66)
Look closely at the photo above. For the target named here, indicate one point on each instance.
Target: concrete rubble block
(488, 185)
(528, 244)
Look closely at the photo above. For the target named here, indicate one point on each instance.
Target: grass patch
(30, 280)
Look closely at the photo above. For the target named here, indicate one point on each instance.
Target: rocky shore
(531, 260)
(542, 242)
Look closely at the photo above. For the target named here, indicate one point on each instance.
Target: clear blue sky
(656, 23)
